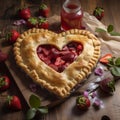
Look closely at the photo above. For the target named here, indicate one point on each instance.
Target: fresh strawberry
(14, 102)
(105, 58)
(44, 10)
(12, 36)
(24, 13)
(32, 22)
(4, 83)
(107, 85)
(83, 102)
(3, 56)
(98, 13)
(43, 23)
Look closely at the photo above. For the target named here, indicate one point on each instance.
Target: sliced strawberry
(45, 51)
(79, 48)
(68, 57)
(65, 48)
(105, 59)
(59, 61)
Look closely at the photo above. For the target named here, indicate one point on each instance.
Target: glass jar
(71, 15)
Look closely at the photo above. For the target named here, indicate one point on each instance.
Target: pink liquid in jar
(71, 16)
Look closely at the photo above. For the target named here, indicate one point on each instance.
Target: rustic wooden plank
(67, 109)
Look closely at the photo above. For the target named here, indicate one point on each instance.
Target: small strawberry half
(43, 23)
(14, 102)
(4, 83)
(24, 13)
(98, 13)
(105, 59)
(44, 10)
(32, 22)
(82, 102)
(12, 36)
(107, 85)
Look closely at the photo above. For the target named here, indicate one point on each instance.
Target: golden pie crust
(62, 83)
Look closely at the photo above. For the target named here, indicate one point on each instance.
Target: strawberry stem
(111, 85)
(2, 81)
(9, 98)
(81, 100)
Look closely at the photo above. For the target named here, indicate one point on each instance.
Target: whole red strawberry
(4, 83)
(83, 102)
(43, 23)
(107, 85)
(12, 36)
(44, 10)
(24, 13)
(32, 22)
(14, 102)
(98, 13)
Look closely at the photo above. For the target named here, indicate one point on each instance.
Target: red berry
(4, 83)
(25, 13)
(98, 13)
(43, 23)
(14, 103)
(12, 36)
(107, 85)
(44, 10)
(32, 22)
(83, 102)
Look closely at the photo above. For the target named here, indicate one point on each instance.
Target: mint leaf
(115, 71)
(110, 28)
(31, 113)
(34, 101)
(43, 110)
(117, 62)
(114, 33)
(100, 30)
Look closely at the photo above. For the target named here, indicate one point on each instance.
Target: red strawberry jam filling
(59, 59)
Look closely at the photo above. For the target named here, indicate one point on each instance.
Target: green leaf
(117, 62)
(111, 62)
(31, 113)
(110, 28)
(100, 30)
(34, 101)
(113, 33)
(43, 110)
(115, 71)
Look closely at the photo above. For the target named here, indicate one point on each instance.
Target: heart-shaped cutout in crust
(59, 59)
(62, 83)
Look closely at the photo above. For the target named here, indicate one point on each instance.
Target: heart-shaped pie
(58, 62)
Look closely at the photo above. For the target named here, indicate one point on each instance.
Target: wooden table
(112, 103)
